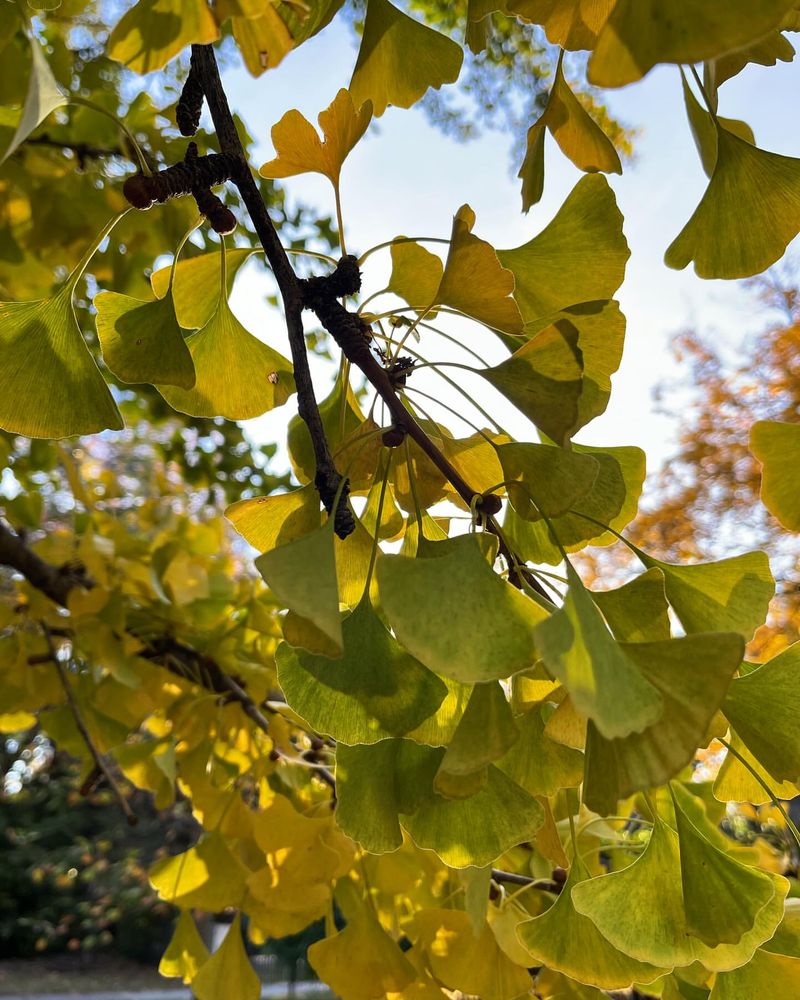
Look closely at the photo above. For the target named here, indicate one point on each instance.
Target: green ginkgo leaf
(452, 612)
(692, 674)
(776, 444)
(704, 129)
(731, 595)
(551, 479)
(765, 975)
(384, 73)
(740, 780)
(565, 940)
(641, 909)
(195, 288)
(637, 611)
(266, 522)
(238, 376)
(50, 385)
(765, 51)
(141, 341)
(376, 690)
(543, 379)
(43, 97)
(641, 33)
(485, 733)
(387, 785)
(298, 146)
(207, 876)
(302, 576)
(725, 237)
(578, 135)
(154, 31)
(762, 705)
(537, 763)
(579, 257)
(732, 893)
(416, 275)
(185, 952)
(474, 281)
(229, 972)
(604, 684)
(572, 24)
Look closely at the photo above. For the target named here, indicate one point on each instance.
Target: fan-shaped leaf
(141, 341)
(195, 290)
(725, 236)
(207, 876)
(185, 952)
(416, 274)
(228, 973)
(44, 96)
(455, 614)
(298, 146)
(385, 74)
(266, 522)
(776, 445)
(637, 611)
(537, 763)
(552, 479)
(704, 129)
(572, 24)
(154, 31)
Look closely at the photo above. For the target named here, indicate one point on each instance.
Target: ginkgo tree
(478, 770)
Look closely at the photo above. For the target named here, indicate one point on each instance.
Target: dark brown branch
(327, 478)
(190, 105)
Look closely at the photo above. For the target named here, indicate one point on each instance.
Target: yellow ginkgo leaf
(641, 33)
(195, 288)
(207, 876)
(776, 445)
(299, 148)
(576, 132)
(400, 58)
(228, 974)
(186, 952)
(416, 274)
(572, 24)
(154, 31)
(725, 237)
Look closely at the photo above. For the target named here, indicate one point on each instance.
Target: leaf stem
(142, 160)
(399, 239)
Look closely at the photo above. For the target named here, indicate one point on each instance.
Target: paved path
(275, 991)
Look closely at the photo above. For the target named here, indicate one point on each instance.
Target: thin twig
(99, 761)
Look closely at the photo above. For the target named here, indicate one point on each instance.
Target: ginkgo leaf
(386, 784)
(638, 610)
(572, 24)
(741, 780)
(552, 479)
(761, 707)
(537, 763)
(579, 257)
(543, 379)
(385, 74)
(361, 961)
(578, 135)
(298, 146)
(565, 940)
(692, 674)
(416, 275)
(485, 733)
(154, 31)
(640, 33)
(452, 612)
(238, 376)
(266, 30)
(267, 522)
(43, 97)
(207, 876)
(229, 972)
(195, 289)
(472, 964)
(731, 595)
(374, 691)
(732, 892)
(50, 385)
(185, 952)
(766, 51)
(764, 975)
(725, 237)
(141, 341)
(641, 909)
(302, 576)
(704, 129)
(776, 445)
(474, 282)
(604, 684)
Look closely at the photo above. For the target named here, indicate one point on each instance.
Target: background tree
(482, 765)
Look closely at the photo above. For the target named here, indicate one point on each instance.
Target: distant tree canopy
(390, 698)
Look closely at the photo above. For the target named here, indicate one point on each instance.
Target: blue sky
(406, 177)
